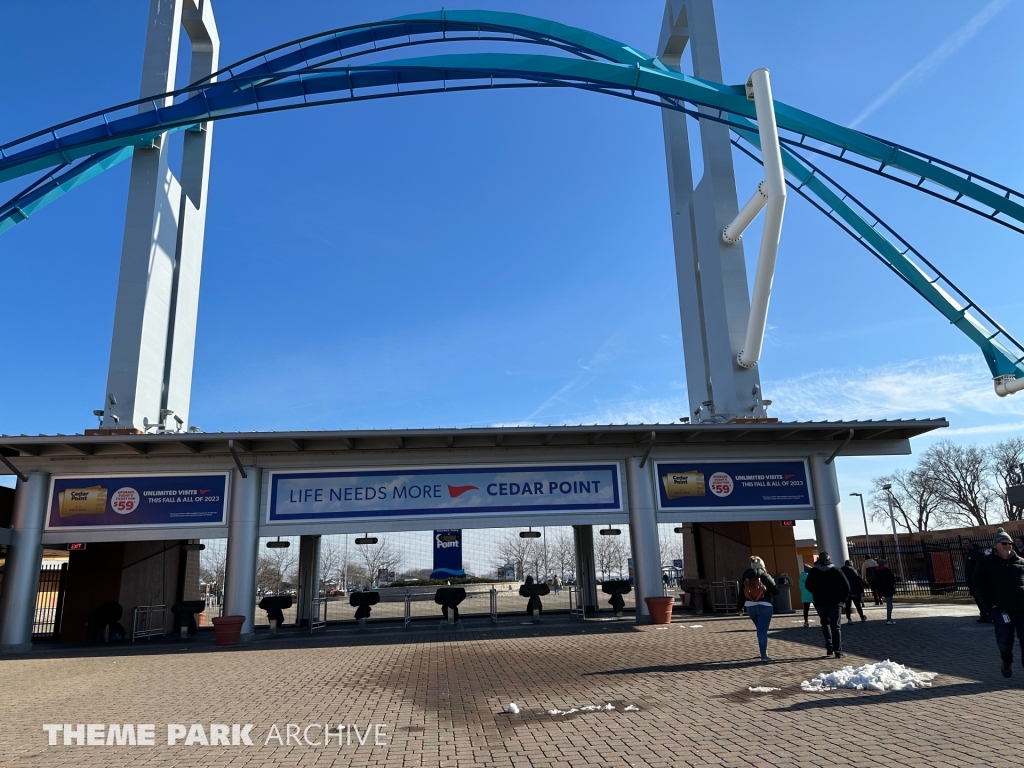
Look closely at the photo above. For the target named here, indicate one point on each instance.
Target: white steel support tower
(149, 382)
(714, 298)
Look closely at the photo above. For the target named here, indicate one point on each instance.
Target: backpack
(753, 589)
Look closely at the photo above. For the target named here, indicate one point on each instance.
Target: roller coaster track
(314, 71)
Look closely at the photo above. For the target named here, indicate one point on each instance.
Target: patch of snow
(631, 708)
(512, 708)
(588, 708)
(762, 689)
(696, 626)
(883, 676)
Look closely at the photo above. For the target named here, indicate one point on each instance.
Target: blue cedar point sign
(732, 484)
(447, 491)
(447, 554)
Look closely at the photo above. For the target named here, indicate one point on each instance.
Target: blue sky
(501, 258)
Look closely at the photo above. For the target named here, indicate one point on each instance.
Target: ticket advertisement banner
(448, 491)
(132, 501)
(732, 484)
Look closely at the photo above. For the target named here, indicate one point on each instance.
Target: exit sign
(788, 523)
(76, 546)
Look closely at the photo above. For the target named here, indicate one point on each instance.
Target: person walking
(1018, 545)
(805, 596)
(867, 573)
(999, 581)
(756, 591)
(558, 583)
(829, 587)
(973, 556)
(885, 585)
(856, 596)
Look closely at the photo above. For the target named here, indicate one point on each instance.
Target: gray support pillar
(643, 535)
(243, 548)
(21, 572)
(828, 522)
(586, 571)
(309, 578)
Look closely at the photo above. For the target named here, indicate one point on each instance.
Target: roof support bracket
(14, 469)
(238, 461)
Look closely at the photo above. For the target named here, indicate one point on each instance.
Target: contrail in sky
(936, 58)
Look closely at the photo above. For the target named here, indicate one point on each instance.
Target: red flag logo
(454, 491)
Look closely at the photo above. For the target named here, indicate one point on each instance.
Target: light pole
(895, 537)
(867, 539)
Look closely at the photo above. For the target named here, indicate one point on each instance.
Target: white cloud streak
(935, 59)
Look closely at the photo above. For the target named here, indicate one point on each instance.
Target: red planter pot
(227, 629)
(660, 609)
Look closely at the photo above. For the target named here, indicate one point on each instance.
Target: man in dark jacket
(999, 586)
(830, 589)
(972, 556)
(856, 597)
(885, 586)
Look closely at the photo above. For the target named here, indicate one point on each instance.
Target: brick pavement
(440, 696)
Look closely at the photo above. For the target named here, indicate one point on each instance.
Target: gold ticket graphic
(679, 484)
(82, 501)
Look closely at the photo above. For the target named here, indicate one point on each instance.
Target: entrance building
(139, 503)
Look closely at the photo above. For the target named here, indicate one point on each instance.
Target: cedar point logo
(454, 491)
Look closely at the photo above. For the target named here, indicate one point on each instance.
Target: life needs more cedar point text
(215, 735)
(437, 491)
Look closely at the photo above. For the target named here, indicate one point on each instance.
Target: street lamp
(895, 537)
(867, 539)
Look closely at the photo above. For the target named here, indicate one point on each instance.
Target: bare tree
(1005, 459)
(610, 553)
(959, 476)
(563, 552)
(330, 560)
(213, 563)
(915, 501)
(671, 549)
(514, 549)
(380, 556)
(275, 568)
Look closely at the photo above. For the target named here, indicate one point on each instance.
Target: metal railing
(49, 600)
(577, 605)
(142, 622)
(318, 614)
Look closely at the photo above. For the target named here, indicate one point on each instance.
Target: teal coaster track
(315, 71)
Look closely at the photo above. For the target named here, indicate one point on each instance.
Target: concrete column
(586, 571)
(243, 548)
(309, 578)
(643, 535)
(828, 522)
(690, 566)
(21, 572)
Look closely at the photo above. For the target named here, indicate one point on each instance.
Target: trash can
(783, 602)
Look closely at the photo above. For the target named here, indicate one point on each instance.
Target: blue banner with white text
(447, 554)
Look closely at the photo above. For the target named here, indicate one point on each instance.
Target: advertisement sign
(132, 501)
(447, 491)
(732, 484)
(447, 554)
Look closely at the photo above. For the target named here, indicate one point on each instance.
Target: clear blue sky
(500, 258)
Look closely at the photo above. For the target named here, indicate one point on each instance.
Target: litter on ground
(883, 676)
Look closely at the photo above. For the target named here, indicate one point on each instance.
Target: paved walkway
(440, 695)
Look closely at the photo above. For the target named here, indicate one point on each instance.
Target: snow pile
(696, 626)
(762, 689)
(631, 708)
(512, 708)
(588, 708)
(883, 676)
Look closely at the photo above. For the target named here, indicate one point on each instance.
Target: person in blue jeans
(756, 591)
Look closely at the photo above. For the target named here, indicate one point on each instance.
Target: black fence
(49, 600)
(923, 567)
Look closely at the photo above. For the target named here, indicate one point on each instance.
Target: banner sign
(447, 554)
(447, 491)
(732, 484)
(133, 501)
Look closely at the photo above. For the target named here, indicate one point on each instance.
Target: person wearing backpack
(830, 589)
(756, 591)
